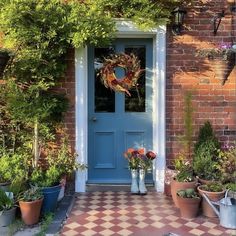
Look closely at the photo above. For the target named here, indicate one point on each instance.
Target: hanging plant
(222, 58)
(131, 66)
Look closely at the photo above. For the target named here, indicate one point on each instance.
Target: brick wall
(67, 86)
(185, 72)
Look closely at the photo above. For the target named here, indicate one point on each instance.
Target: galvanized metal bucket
(227, 212)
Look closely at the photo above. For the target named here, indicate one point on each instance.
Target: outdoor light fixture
(216, 21)
(232, 4)
(178, 15)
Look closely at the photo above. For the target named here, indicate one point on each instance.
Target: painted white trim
(125, 29)
(81, 115)
(159, 102)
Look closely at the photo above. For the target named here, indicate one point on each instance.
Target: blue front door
(116, 121)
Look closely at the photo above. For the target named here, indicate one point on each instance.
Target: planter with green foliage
(7, 209)
(59, 163)
(65, 161)
(184, 178)
(227, 168)
(215, 192)
(188, 201)
(30, 203)
(49, 181)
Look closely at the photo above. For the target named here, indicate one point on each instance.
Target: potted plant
(205, 157)
(65, 160)
(227, 168)
(30, 203)
(49, 181)
(184, 178)
(188, 201)
(222, 57)
(7, 208)
(170, 173)
(214, 192)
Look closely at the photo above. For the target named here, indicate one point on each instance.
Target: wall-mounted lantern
(217, 20)
(178, 19)
(232, 4)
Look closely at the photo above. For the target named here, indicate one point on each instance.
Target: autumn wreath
(131, 66)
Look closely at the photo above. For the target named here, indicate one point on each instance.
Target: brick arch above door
(125, 30)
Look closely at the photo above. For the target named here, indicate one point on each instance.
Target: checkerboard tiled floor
(120, 213)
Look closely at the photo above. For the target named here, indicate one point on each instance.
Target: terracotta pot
(167, 190)
(30, 211)
(188, 206)
(204, 181)
(175, 186)
(170, 173)
(213, 196)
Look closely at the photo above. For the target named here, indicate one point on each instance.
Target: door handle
(94, 119)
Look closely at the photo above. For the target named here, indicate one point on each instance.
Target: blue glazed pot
(50, 198)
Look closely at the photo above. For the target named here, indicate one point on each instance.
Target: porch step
(114, 187)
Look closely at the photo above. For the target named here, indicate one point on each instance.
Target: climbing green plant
(187, 138)
(39, 33)
(146, 14)
(188, 122)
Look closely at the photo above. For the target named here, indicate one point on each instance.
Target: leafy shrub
(212, 187)
(46, 178)
(14, 167)
(64, 159)
(31, 194)
(205, 162)
(205, 159)
(231, 186)
(184, 169)
(227, 164)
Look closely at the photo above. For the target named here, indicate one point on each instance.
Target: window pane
(136, 102)
(104, 97)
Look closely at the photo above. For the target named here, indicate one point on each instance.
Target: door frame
(125, 29)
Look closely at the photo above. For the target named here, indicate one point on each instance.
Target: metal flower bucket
(227, 212)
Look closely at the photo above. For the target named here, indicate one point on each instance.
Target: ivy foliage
(146, 14)
(39, 33)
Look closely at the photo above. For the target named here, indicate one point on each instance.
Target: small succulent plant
(187, 193)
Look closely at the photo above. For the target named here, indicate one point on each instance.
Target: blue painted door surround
(116, 121)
